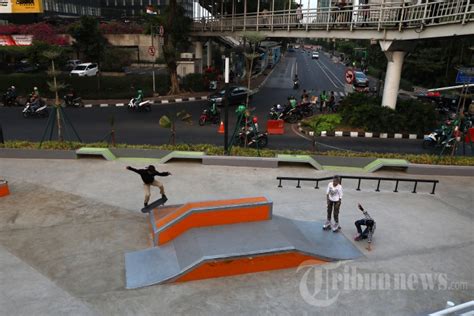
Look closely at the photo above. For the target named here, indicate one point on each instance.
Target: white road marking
(104, 105)
(120, 104)
(88, 105)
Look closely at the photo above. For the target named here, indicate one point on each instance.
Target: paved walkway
(67, 224)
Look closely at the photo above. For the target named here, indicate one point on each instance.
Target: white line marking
(164, 101)
(88, 105)
(178, 100)
(412, 136)
(333, 83)
(354, 134)
(338, 133)
(398, 135)
(383, 135)
(192, 98)
(369, 135)
(120, 104)
(104, 105)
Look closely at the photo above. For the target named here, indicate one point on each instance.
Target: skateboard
(154, 204)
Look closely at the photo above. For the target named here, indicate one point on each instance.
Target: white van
(85, 70)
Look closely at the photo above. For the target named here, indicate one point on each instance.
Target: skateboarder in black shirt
(148, 177)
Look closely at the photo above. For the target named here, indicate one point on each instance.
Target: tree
(253, 38)
(55, 86)
(169, 121)
(88, 38)
(177, 27)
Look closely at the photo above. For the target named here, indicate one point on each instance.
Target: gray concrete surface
(67, 224)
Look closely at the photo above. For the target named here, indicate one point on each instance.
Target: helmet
(140, 91)
(35, 88)
(255, 120)
(240, 109)
(278, 106)
(13, 87)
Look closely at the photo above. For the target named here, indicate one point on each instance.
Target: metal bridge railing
(393, 15)
(359, 182)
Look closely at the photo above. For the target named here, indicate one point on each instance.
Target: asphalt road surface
(93, 124)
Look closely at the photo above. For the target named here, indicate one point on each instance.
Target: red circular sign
(151, 50)
(349, 76)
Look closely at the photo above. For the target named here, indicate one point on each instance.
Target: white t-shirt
(334, 192)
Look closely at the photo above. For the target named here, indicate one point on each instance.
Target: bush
(361, 111)
(194, 82)
(325, 122)
(116, 59)
(87, 87)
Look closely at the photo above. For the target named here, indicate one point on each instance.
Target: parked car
(25, 66)
(315, 55)
(361, 80)
(72, 64)
(237, 95)
(85, 70)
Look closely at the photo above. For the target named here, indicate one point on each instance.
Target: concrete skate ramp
(218, 251)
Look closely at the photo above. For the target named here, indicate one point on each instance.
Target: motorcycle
(306, 109)
(439, 137)
(207, 116)
(291, 116)
(9, 101)
(71, 101)
(40, 111)
(140, 107)
(254, 139)
(296, 84)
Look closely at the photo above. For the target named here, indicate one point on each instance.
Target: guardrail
(378, 179)
(396, 15)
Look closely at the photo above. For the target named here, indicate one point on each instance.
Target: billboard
(21, 6)
(16, 40)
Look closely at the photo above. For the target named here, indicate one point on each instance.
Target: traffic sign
(162, 31)
(465, 76)
(349, 76)
(151, 50)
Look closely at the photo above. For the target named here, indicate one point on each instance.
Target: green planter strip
(91, 151)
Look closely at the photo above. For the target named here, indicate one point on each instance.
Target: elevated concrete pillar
(392, 78)
(209, 53)
(395, 53)
(198, 55)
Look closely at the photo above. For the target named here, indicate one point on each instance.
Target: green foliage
(240, 151)
(319, 123)
(88, 38)
(165, 122)
(116, 59)
(194, 82)
(361, 111)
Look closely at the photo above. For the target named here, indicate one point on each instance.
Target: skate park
(68, 224)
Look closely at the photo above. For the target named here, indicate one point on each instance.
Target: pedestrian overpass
(395, 25)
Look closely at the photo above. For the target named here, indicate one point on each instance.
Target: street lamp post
(226, 107)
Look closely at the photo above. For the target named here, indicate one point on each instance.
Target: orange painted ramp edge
(211, 204)
(251, 213)
(244, 265)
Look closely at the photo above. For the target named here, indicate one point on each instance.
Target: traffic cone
(221, 128)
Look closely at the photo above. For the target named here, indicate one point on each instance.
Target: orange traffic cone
(221, 128)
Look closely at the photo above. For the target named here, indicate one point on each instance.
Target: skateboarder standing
(334, 199)
(148, 177)
(369, 224)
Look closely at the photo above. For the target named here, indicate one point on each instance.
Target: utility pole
(226, 107)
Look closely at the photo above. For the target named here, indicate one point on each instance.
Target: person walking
(369, 224)
(334, 195)
(148, 176)
(323, 99)
(299, 15)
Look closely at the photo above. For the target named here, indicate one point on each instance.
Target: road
(93, 125)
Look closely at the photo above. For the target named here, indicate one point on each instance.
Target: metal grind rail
(378, 179)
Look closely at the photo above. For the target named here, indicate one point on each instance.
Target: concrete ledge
(240, 161)
(182, 155)
(382, 163)
(304, 159)
(459, 171)
(101, 152)
(36, 153)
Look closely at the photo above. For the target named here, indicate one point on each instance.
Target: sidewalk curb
(156, 102)
(356, 134)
